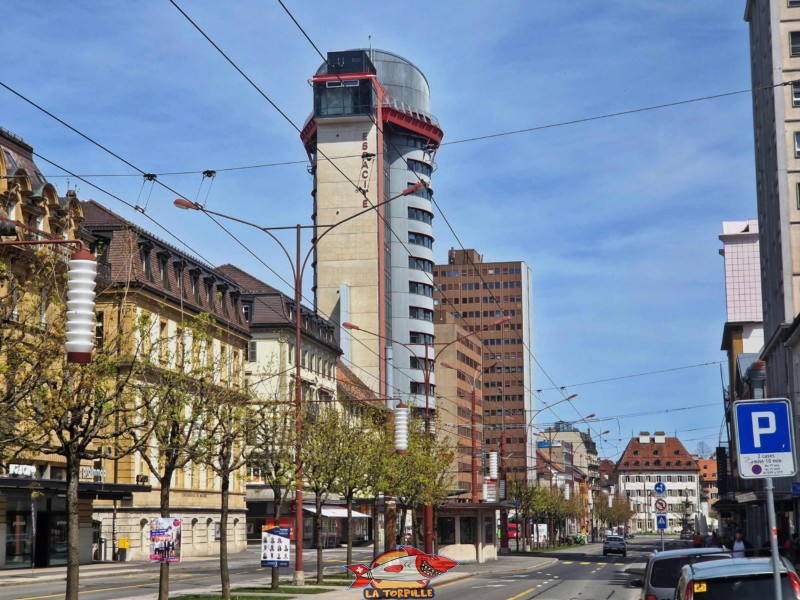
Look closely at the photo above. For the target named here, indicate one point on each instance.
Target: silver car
(615, 544)
(740, 578)
(664, 569)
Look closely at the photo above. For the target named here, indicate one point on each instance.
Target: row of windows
(653, 478)
(416, 142)
(509, 412)
(474, 272)
(420, 264)
(420, 239)
(509, 440)
(312, 362)
(463, 358)
(504, 398)
(484, 300)
(417, 214)
(417, 312)
(501, 356)
(419, 363)
(501, 342)
(423, 192)
(499, 384)
(416, 337)
(420, 167)
(418, 387)
(422, 289)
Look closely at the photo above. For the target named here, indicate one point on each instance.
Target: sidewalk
(99, 569)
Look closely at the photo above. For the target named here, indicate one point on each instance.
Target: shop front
(467, 532)
(33, 513)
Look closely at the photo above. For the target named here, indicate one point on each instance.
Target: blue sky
(618, 218)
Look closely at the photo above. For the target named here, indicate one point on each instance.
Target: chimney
(660, 437)
(644, 437)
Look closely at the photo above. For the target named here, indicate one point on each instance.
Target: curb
(57, 578)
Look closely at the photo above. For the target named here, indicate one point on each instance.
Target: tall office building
(478, 293)
(369, 138)
(775, 60)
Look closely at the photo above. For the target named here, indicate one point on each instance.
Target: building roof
(670, 455)
(272, 308)
(350, 385)
(135, 256)
(543, 461)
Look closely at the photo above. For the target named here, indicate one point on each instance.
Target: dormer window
(247, 311)
(163, 270)
(655, 452)
(636, 453)
(145, 250)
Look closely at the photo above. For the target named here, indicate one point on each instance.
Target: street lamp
(428, 362)
(298, 267)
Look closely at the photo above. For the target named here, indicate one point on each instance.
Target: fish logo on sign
(405, 568)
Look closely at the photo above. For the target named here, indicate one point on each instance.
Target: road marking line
(620, 564)
(586, 563)
(521, 595)
(111, 589)
(566, 562)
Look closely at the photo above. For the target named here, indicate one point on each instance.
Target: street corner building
(39, 229)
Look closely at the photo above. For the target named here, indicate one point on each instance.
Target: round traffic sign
(661, 505)
(660, 487)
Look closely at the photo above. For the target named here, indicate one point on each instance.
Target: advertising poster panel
(275, 546)
(165, 540)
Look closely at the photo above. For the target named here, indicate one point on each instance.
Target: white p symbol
(758, 431)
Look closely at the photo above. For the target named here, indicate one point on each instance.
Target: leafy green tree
(272, 439)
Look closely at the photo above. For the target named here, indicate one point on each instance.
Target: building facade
(33, 511)
(370, 137)
(649, 459)
(455, 390)
(156, 292)
(477, 293)
(269, 367)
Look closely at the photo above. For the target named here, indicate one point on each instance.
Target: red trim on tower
(429, 130)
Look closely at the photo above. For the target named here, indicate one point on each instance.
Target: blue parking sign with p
(765, 438)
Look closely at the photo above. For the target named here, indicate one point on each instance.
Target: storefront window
(446, 530)
(488, 530)
(468, 530)
(18, 539)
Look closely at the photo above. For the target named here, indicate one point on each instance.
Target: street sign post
(661, 505)
(661, 522)
(661, 519)
(660, 488)
(765, 449)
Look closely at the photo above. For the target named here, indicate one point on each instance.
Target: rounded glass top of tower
(401, 79)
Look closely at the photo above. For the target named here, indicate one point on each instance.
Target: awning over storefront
(336, 512)
(89, 490)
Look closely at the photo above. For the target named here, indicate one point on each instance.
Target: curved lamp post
(428, 362)
(298, 266)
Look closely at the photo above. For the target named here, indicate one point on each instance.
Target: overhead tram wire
(633, 375)
(471, 139)
(433, 200)
(288, 119)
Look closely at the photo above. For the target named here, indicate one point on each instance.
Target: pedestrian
(715, 541)
(740, 546)
(697, 540)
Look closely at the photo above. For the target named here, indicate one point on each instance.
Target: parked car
(687, 534)
(740, 578)
(664, 569)
(615, 544)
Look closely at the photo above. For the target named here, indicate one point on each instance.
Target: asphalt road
(187, 577)
(580, 574)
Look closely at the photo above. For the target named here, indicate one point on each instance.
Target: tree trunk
(73, 528)
(223, 535)
(375, 529)
(400, 538)
(349, 529)
(276, 518)
(317, 533)
(163, 574)
(413, 528)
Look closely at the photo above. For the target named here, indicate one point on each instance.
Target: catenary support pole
(773, 539)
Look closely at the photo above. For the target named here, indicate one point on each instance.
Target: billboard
(275, 546)
(165, 540)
